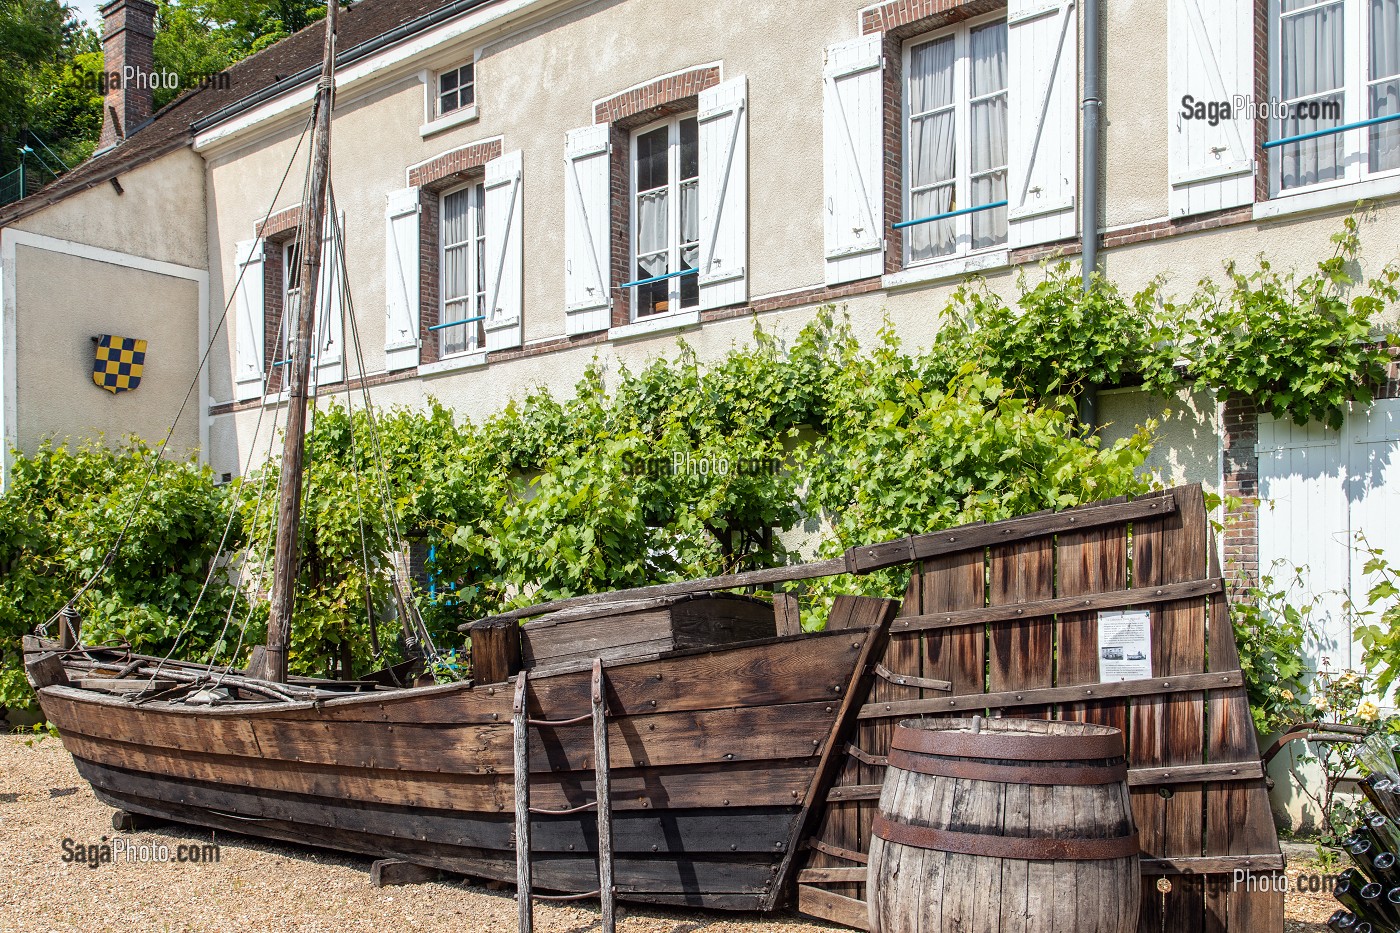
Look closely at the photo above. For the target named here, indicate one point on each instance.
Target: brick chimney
(128, 52)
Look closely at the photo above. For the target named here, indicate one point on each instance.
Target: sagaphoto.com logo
(1245, 107)
(131, 851)
(130, 77)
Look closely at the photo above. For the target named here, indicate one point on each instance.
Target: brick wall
(128, 41)
(903, 19)
(273, 277)
(650, 100)
(1239, 425)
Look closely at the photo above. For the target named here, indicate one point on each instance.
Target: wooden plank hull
(714, 754)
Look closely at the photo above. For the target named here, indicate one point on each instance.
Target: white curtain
(456, 275)
(1313, 54)
(932, 151)
(1384, 145)
(988, 75)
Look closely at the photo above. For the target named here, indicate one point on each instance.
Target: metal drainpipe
(1089, 198)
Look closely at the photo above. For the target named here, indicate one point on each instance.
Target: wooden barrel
(1002, 825)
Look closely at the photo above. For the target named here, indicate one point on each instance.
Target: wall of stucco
(60, 311)
(159, 215)
(536, 84)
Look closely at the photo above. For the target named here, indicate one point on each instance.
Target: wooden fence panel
(1196, 820)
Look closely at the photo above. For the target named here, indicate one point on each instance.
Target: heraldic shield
(118, 363)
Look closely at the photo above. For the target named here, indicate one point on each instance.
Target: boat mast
(284, 566)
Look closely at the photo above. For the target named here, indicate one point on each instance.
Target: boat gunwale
(98, 697)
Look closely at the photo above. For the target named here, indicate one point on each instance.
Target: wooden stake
(521, 720)
(284, 568)
(495, 651)
(602, 784)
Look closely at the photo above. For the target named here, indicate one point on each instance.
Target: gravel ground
(256, 886)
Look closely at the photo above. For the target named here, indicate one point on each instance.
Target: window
(1337, 62)
(955, 142)
(462, 260)
(666, 238)
(456, 89)
(291, 296)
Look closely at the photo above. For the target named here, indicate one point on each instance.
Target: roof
(282, 63)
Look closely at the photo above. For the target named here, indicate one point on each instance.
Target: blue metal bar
(465, 320)
(659, 278)
(966, 210)
(1331, 131)
(280, 363)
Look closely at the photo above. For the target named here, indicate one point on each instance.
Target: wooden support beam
(520, 721)
(1127, 688)
(495, 651)
(1212, 864)
(1189, 774)
(847, 911)
(973, 537)
(602, 782)
(831, 875)
(124, 821)
(391, 872)
(788, 614)
(1117, 599)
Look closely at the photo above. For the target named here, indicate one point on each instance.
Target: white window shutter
(248, 321)
(330, 323)
(724, 194)
(401, 304)
(1042, 125)
(853, 124)
(1210, 44)
(587, 222)
(505, 253)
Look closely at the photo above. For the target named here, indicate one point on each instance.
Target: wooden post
(602, 785)
(495, 651)
(521, 720)
(289, 481)
(788, 614)
(70, 626)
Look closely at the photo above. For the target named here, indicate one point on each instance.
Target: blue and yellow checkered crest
(118, 363)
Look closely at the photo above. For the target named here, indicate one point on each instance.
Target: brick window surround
(460, 166)
(275, 231)
(898, 21)
(625, 112)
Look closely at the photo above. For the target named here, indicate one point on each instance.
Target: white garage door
(1319, 490)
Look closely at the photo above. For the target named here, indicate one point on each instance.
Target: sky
(87, 10)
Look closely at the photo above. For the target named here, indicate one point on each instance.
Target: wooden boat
(715, 756)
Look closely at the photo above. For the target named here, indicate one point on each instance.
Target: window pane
(455, 339)
(1385, 138)
(989, 134)
(1313, 160)
(1312, 52)
(930, 240)
(651, 159)
(988, 59)
(989, 227)
(466, 82)
(651, 222)
(690, 284)
(932, 157)
(652, 299)
(931, 75)
(690, 148)
(690, 212)
(1385, 38)
(447, 81)
(454, 216)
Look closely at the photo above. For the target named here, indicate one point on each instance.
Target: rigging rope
(111, 554)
